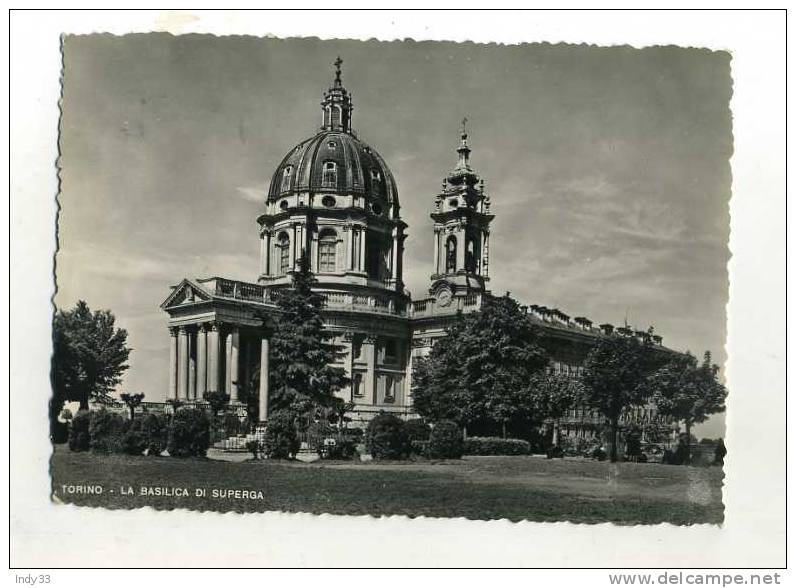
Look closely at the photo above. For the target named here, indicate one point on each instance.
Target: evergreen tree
(688, 392)
(302, 377)
(615, 378)
(481, 370)
(89, 357)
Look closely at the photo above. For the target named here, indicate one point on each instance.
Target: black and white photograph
(316, 270)
(410, 278)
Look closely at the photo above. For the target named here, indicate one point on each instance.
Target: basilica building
(334, 198)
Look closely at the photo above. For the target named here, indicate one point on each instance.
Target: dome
(337, 162)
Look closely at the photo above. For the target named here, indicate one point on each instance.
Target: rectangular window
(327, 252)
(356, 383)
(330, 174)
(389, 392)
(390, 352)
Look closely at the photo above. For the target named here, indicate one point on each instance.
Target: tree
(550, 396)
(615, 378)
(89, 357)
(302, 377)
(132, 401)
(688, 392)
(480, 371)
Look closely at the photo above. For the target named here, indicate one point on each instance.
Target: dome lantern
(336, 105)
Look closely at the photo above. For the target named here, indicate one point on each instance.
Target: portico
(216, 346)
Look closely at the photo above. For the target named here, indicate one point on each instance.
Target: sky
(607, 167)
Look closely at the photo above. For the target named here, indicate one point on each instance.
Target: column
(362, 245)
(436, 251)
(312, 252)
(265, 372)
(461, 248)
(201, 361)
(369, 351)
(394, 255)
(247, 364)
(263, 255)
(348, 231)
(485, 253)
(233, 353)
(268, 253)
(213, 358)
(182, 364)
(172, 363)
(293, 245)
(193, 335)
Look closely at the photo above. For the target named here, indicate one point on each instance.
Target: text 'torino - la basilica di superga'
(334, 198)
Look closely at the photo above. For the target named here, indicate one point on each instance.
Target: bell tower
(461, 230)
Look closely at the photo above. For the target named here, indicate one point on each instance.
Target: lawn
(516, 488)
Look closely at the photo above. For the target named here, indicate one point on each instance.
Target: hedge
(418, 430)
(445, 441)
(496, 446)
(106, 431)
(189, 433)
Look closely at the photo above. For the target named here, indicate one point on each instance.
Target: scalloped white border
(753, 535)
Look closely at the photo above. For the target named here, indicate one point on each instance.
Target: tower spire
(336, 104)
(464, 149)
(338, 82)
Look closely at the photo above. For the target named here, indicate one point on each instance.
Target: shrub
(59, 432)
(354, 433)
(255, 447)
(155, 430)
(318, 433)
(418, 447)
(496, 446)
(189, 433)
(446, 441)
(134, 439)
(345, 449)
(281, 440)
(231, 424)
(418, 430)
(106, 431)
(576, 446)
(386, 437)
(79, 439)
(554, 452)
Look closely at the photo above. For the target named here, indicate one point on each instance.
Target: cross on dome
(336, 104)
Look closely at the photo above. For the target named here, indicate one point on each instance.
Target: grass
(516, 488)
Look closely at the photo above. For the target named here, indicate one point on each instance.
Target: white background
(45, 535)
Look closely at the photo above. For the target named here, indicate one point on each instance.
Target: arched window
(327, 251)
(330, 174)
(450, 255)
(283, 247)
(286, 174)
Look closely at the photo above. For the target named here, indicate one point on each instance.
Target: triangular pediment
(185, 293)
